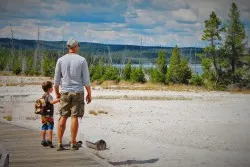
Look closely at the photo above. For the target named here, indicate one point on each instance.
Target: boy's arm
(50, 99)
(54, 101)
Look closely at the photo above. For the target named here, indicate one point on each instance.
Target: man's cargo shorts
(72, 104)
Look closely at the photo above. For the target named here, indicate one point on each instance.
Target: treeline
(119, 53)
(28, 62)
(177, 73)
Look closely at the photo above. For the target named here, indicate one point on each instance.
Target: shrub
(127, 71)
(111, 73)
(196, 80)
(137, 75)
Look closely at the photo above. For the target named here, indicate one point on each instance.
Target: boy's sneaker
(74, 147)
(50, 144)
(44, 143)
(60, 147)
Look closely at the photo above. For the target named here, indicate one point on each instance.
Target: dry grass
(125, 97)
(93, 112)
(8, 118)
(97, 112)
(123, 85)
(6, 73)
(12, 80)
(242, 91)
(102, 112)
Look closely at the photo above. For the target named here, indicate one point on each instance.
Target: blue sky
(156, 22)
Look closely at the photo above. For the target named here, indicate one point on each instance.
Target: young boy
(47, 114)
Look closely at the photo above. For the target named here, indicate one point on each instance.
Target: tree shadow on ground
(134, 162)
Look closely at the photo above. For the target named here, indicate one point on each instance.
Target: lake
(196, 68)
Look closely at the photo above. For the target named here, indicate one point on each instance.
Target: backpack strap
(45, 97)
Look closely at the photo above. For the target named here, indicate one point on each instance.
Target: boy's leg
(44, 128)
(50, 130)
(43, 135)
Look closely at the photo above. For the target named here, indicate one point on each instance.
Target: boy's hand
(58, 95)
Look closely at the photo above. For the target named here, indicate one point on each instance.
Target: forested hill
(133, 51)
(88, 46)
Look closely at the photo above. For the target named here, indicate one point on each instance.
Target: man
(72, 71)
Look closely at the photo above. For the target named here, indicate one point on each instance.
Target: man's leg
(61, 128)
(74, 129)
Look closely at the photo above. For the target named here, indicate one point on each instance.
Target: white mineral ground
(175, 128)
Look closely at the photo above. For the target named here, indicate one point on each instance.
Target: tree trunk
(234, 55)
(233, 65)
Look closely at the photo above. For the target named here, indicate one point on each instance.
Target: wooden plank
(25, 150)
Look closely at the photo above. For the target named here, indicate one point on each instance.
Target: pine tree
(178, 71)
(29, 70)
(17, 66)
(127, 71)
(235, 37)
(161, 63)
(46, 65)
(111, 73)
(49, 64)
(137, 75)
(212, 33)
(97, 71)
(158, 75)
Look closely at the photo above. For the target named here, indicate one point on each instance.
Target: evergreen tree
(161, 63)
(178, 71)
(212, 33)
(4, 54)
(137, 75)
(111, 73)
(49, 64)
(17, 66)
(127, 71)
(158, 75)
(29, 65)
(97, 71)
(235, 38)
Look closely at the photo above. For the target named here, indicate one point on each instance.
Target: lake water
(196, 68)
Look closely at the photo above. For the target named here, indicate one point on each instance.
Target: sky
(152, 22)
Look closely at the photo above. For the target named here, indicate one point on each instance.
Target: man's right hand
(88, 98)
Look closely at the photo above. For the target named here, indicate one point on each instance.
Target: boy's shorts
(72, 104)
(48, 126)
(47, 123)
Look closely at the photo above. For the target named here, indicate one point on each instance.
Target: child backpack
(40, 105)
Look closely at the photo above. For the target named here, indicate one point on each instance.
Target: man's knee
(62, 125)
(62, 122)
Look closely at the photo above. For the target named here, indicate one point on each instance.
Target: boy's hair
(46, 86)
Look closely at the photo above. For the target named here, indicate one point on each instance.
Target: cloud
(157, 22)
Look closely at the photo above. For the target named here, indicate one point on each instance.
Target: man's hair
(46, 86)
